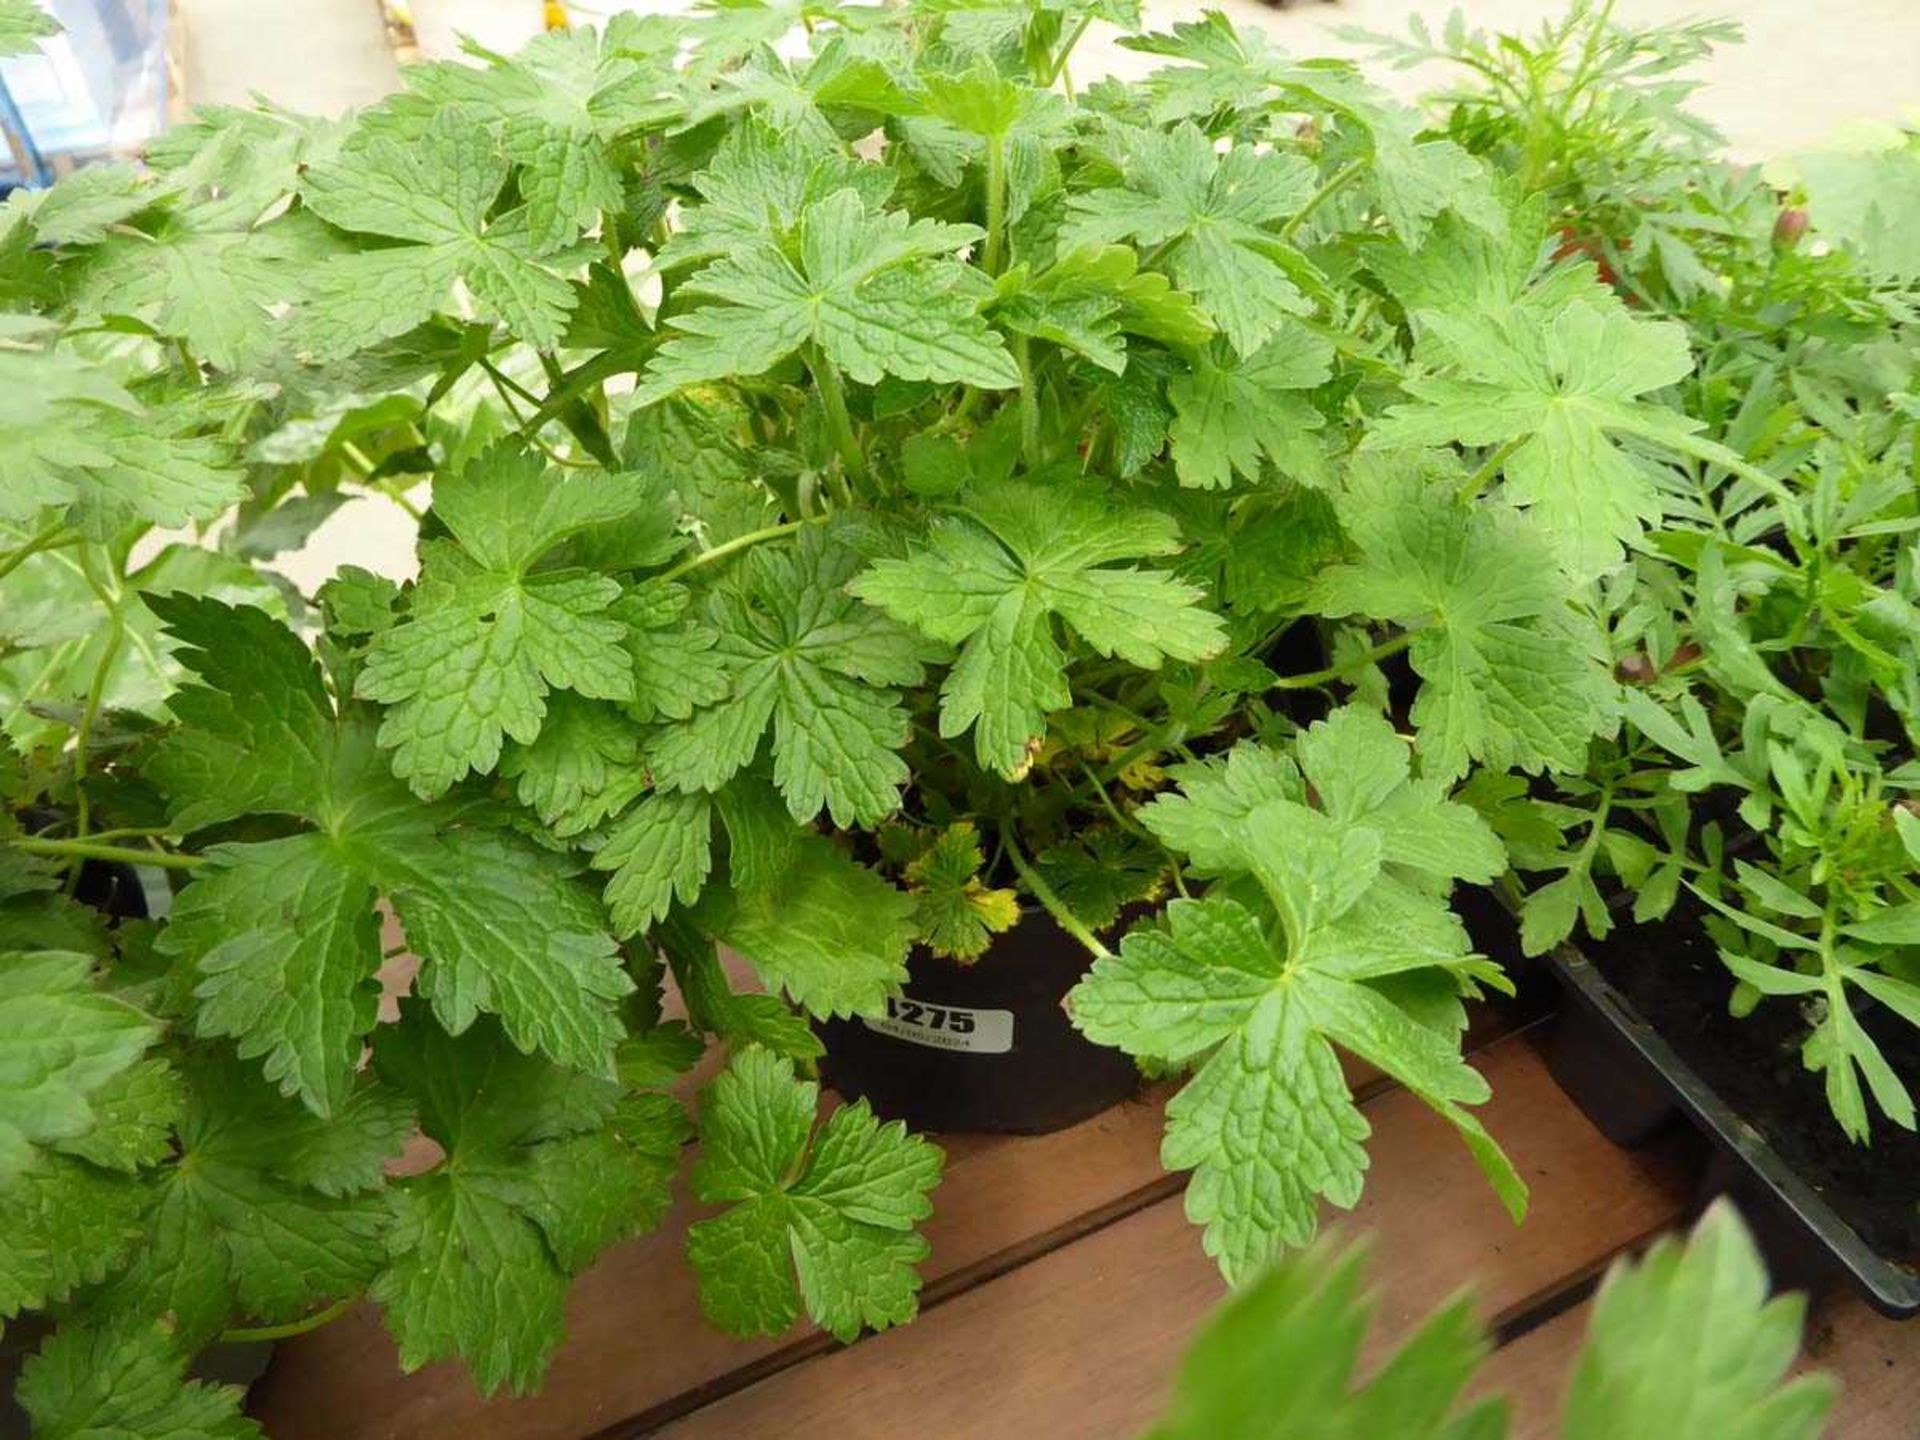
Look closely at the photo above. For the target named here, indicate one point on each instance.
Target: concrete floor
(320, 56)
(1807, 67)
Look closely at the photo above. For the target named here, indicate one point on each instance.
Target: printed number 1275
(929, 1017)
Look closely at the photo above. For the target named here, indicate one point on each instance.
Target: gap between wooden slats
(636, 1344)
(1876, 1361)
(1082, 1341)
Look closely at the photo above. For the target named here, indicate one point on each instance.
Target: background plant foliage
(1685, 1334)
(870, 487)
(1765, 631)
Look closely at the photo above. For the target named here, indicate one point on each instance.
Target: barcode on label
(945, 1027)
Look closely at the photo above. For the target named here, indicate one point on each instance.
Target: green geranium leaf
(1210, 212)
(1267, 1124)
(1507, 662)
(23, 24)
(487, 634)
(820, 1219)
(820, 669)
(869, 292)
(65, 1042)
(431, 188)
(284, 934)
(93, 1383)
(993, 580)
(1560, 395)
(544, 1169)
(269, 1212)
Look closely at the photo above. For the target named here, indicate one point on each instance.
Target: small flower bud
(1788, 229)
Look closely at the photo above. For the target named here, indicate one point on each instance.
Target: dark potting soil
(1674, 978)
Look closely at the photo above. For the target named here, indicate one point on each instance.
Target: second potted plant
(1744, 855)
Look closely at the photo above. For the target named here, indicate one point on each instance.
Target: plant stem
(960, 414)
(96, 691)
(1049, 901)
(833, 399)
(505, 388)
(358, 459)
(1107, 702)
(583, 422)
(731, 547)
(315, 1321)
(1596, 830)
(503, 380)
(1334, 184)
(601, 367)
(1029, 404)
(1170, 737)
(1346, 668)
(399, 498)
(1126, 823)
(996, 203)
(91, 850)
(54, 537)
(1490, 467)
(129, 832)
(1066, 52)
(505, 392)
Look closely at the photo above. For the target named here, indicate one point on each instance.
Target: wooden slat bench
(1063, 1285)
(1877, 1362)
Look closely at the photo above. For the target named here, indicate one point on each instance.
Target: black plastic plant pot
(114, 889)
(1632, 1083)
(982, 1047)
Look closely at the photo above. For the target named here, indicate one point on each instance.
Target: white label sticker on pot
(946, 1027)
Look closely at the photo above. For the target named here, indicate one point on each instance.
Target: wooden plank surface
(635, 1338)
(1531, 1372)
(1064, 1274)
(637, 1349)
(1878, 1364)
(1876, 1361)
(1082, 1341)
(1003, 1199)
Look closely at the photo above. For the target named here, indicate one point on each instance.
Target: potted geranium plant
(1752, 823)
(878, 497)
